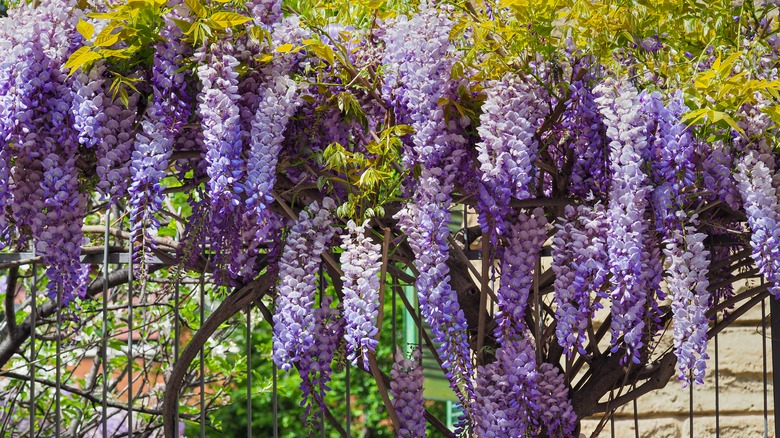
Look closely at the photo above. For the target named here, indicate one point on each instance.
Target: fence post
(774, 314)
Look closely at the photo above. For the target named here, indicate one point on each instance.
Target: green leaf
(85, 29)
(197, 8)
(228, 19)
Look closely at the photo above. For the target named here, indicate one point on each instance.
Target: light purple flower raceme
(360, 263)
(755, 171)
(581, 266)
(518, 263)
(36, 121)
(107, 126)
(558, 416)
(511, 114)
(219, 112)
(406, 387)
(307, 240)
(717, 162)
(167, 112)
(673, 162)
(506, 395)
(265, 11)
(419, 58)
(687, 282)
(672, 159)
(628, 201)
(315, 362)
(590, 171)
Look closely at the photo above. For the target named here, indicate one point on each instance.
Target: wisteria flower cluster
(360, 263)
(568, 159)
(406, 387)
(294, 320)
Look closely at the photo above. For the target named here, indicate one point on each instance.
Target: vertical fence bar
(202, 293)
(349, 413)
(763, 357)
(58, 365)
(176, 335)
(717, 388)
(275, 399)
(636, 420)
(690, 405)
(104, 340)
(249, 371)
(612, 425)
(130, 341)
(33, 352)
(774, 315)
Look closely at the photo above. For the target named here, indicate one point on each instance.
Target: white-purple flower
(294, 321)
(360, 263)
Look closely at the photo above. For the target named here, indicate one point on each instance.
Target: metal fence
(104, 365)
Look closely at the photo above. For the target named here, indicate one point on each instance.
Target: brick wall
(665, 413)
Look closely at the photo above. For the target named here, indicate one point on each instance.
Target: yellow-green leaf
(228, 19)
(113, 53)
(85, 29)
(284, 48)
(79, 58)
(323, 51)
(106, 38)
(197, 8)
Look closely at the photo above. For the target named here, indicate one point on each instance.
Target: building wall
(665, 413)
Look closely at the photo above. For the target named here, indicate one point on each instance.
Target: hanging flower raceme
(717, 162)
(628, 202)
(518, 264)
(420, 56)
(673, 169)
(507, 396)
(511, 114)
(673, 162)
(307, 240)
(167, 112)
(558, 416)
(315, 364)
(360, 262)
(219, 112)
(754, 175)
(590, 171)
(687, 282)
(406, 387)
(107, 126)
(580, 263)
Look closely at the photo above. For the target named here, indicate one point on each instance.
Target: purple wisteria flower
(717, 162)
(511, 114)
(307, 240)
(581, 266)
(315, 361)
(360, 262)
(419, 57)
(754, 175)
(622, 110)
(167, 112)
(558, 415)
(518, 263)
(506, 394)
(687, 282)
(590, 171)
(406, 387)
(219, 112)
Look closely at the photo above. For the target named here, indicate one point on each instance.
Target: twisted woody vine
(617, 155)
